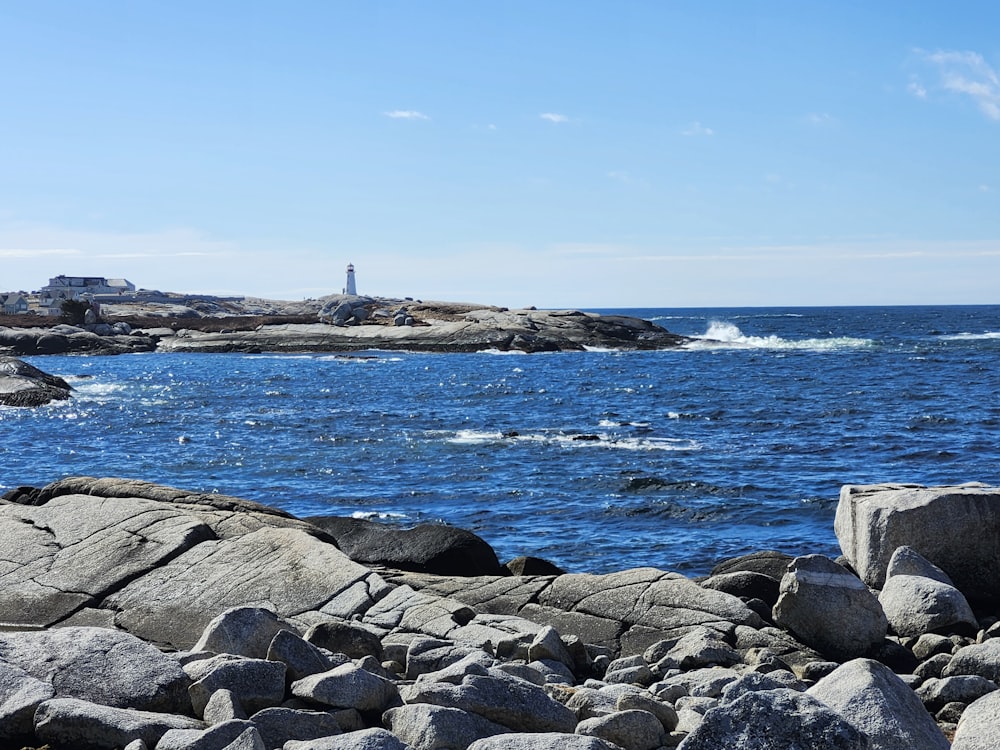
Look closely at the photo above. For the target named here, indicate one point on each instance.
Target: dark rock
(345, 638)
(767, 562)
(22, 384)
(532, 566)
(746, 584)
(428, 548)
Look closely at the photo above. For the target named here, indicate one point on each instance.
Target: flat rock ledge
(134, 615)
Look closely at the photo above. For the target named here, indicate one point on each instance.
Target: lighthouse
(351, 287)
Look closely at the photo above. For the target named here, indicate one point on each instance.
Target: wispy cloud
(554, 117)
(697, 129)
(820, 119)
(966, 73)
(406, 114)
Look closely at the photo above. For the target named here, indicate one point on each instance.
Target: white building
(352, 287)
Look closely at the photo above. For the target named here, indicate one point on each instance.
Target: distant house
(73, 286)
(14, 304)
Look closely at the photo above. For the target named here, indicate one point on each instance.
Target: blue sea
(596, 460)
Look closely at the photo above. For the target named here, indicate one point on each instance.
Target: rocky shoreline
(341, 323)
(137, 615)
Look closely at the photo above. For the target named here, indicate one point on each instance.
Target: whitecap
(368, 515)
(726, 335)
(986, 336)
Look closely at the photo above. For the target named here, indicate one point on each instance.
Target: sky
(560, 153)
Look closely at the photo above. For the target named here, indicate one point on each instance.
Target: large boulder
(101, 666)
(957, 528)
(770, 719)
(427, 548)
(20, 695)
(978, 729)
(829, 609)
(879, 704)
(71, 722)
(22, 384)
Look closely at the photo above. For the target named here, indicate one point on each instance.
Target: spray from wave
(725, 335)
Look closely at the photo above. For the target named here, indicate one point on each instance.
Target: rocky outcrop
(22, 384)
(431, 328)
(137, 612)
(937, 522)
(67, 339)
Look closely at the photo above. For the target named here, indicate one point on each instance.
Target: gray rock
(292, 570)
(753, 681)
(222, 706)
(931, 644)
(22, 384)
(707, 682)
(935, 693)
(631, 730)
(915, 605)
(499, 697)
(347, 686)
(347, 638)
(245, 631)
(547, 645)
(829, 609)
(255, 683)
(770, 719)
(77, 723)
(300, 657)
(906, 561)
(279, 725)
(880, 705)
(587, 703)
(67, 553)
(431, 655)
(956, 528)
(20, 695)
(982, 659)
(664, 712)
(932, 667)
(702, 647)
(217, 737)
(103, 666)
(363, 739)
(475, 662)
(978, 729)
(423, 726)
(542, 741)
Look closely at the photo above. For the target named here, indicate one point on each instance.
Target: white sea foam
(725, 335)
(574, 440)
(988, 335)
(374, 514)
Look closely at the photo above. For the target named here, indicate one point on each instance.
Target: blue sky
(560, 154)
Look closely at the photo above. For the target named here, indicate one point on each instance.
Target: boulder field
(134, 615)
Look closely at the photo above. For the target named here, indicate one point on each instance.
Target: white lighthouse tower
(351, 287)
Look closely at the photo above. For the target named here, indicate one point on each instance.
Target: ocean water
(597, 460)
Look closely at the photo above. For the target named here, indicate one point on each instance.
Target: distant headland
(75, 314)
